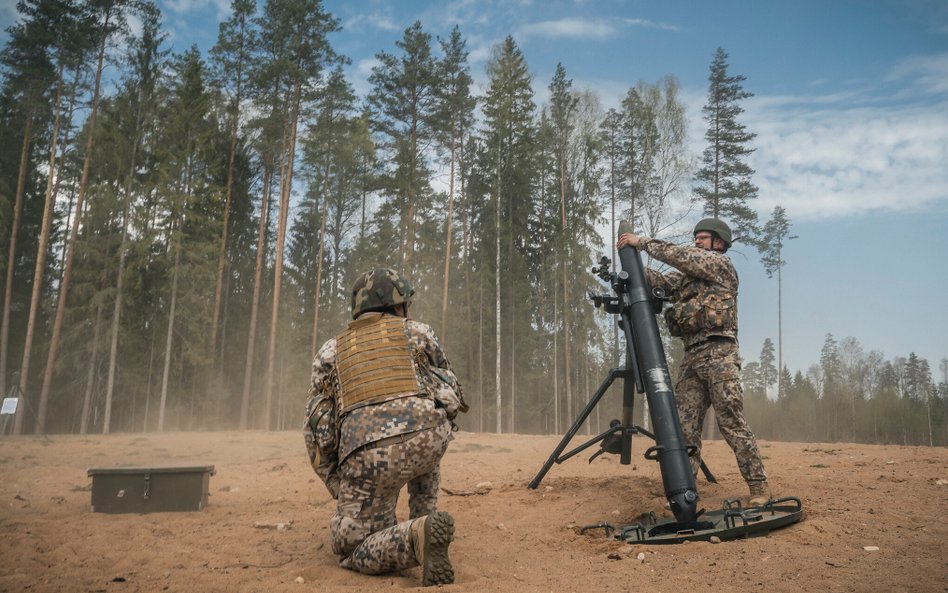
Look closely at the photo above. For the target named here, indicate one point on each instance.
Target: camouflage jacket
(330, 439)
(702, 290)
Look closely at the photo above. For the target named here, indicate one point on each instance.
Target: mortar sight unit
(619, 283)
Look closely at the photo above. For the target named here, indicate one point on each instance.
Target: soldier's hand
(630, 239)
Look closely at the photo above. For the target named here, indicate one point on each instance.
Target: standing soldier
(703, 292)
(383, 400)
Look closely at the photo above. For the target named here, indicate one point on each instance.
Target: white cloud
(183, 7)
(586, 28)
(463, 13)
(359, 76)
(570, 28)
(374, 20)
(923, 74)
(870, 148)
(134, 24)
(479, 51)
(650, 24)
(364, 67)
(827, 163)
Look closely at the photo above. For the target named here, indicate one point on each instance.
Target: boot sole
(439, 532)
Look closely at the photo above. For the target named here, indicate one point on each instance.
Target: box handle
(147, 492)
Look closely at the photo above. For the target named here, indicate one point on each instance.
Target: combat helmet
(379, 289)
(718, 227)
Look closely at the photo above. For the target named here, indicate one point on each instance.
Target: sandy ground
(509, 539)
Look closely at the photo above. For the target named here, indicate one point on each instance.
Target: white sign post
(9, 405)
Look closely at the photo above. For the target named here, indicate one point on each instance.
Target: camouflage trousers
(365, 531)
(710, 376)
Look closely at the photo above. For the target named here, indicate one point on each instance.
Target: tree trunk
(148, 384)
(556, 363)
(928, 413)
(324, 196)
(62, 161)
(779, 328)
(286, 184)
(497, 316)
(222, 259)
(11, 256)
(255, 302)
(117, 309)
(120, 281)
(50, 200)
(447, 245)
(480, 353)
(408, 253)
(90, 377)
(512, 397)
(513, 366)
(612, 249)
(168, 340)
(70, 245)
(565, 246)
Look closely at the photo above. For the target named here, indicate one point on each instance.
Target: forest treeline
(180, 230)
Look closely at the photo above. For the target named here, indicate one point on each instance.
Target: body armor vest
(374, 362)
(702, 305)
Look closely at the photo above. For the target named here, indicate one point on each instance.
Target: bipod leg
(577, 424)
(704, 467)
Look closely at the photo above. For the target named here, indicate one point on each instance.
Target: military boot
(759, 493)
(430, 537)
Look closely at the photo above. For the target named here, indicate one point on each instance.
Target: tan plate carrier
(374, 362)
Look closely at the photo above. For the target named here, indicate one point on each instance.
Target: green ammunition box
(149, 490)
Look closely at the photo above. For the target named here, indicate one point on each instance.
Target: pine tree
(612, 153)
(329, 148)
(188, 194)
(725, 186)
(405, 104)
(28, 73)
(111, 18)
(768, 371)
(232, 53)
(562, 114)
(775, 233)
(294, 34)
(831, 369)
(52, 40)
(266, 91)
(456, 114)
(638, 144)
(146, 61)
(507, 170)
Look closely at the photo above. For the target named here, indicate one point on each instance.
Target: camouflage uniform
(365, 456)
(703, 291)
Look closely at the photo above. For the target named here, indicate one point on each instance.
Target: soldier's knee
(346, 534)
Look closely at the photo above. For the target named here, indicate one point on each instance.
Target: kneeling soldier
(383, 400)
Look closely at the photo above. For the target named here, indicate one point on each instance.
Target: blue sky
(850, 109)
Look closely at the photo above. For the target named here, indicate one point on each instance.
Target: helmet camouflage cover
(718, 227)
(379, 289)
